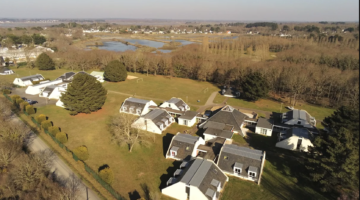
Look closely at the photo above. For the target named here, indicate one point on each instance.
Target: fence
(87, 168)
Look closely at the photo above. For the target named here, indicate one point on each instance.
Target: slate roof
(230, 91)
(219, 133)
(49, 89)
(137, 103)
(37, 76)
(297, 114)
(200, 173)
(66, 76)
(212, 148)
(264, 123)
(189, 115)
(178, 102)
(248, 158)
(157, 116)
(300, 132)
(182, 141)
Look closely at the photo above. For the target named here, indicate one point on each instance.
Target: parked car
(33, 102)
(28, 100)
(23, 98)
(290, 107)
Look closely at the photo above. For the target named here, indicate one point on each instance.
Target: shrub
(14, 97)
(30, 109)
(115, 71)
(6, 91)
(46, 124)
(44, 62)
(81, 152)
(106, 174)
(40, 118)
(62, 137)
(23, 105)
(53, 130)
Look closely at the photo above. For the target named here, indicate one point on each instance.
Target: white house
(98, 75)
(54, 91)
(184, 146)
(264, 127)
(36, 89)
(155, 121)
(27, 80)
(296, 139)
(175, 104)
(197, 179)
(187, 119)
(136, 106)
(299, 118)
(242, 162)
(5, 71)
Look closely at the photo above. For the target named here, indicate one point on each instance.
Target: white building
(197, 179)
(36, 89)
(155, 121)
(54, 91)
(136, 106)
(175, 104)
(188, 118)
(184, 146)
(299, 118)
(98, 75)
(264, 127)
(5, 71)
(295, 139)
(27, 80)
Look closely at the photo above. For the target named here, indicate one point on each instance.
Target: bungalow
(184, 146)
(175, 104)
(68, 76)
(136, 106)
(230, 92)
(155, 121)
(27, 80)
(197, 179)
(188, 118)
(299, 118)
(225, 119)
(296, 139)
(54, 91)
(242, 162)
(264, 127)
(5, 71)
(36, 89)
(98, 75)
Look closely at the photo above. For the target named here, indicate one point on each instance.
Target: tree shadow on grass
(170, 173)
(103, 167)
(134, 195)
(166, 142)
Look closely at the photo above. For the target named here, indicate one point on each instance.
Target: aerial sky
(237, 10)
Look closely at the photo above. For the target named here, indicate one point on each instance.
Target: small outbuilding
(188, 118)
(264, 127)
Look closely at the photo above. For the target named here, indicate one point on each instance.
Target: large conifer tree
(84, 94)
(115, 71)
(254, 87)
(44, 62)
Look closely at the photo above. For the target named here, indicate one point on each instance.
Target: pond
(116, 46)
(148, 43)
(162, 51)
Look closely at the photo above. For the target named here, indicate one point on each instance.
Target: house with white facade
(197, 179)
(264, 126)
(98, 75)
(27, 80)
(175, 104)
(299, 118)
(155, 121)
(136, 106)
(5, 71)
(184, 146)
(54, 91)
(242, 162)
(188, 118)
(36, 89)
(295, 139)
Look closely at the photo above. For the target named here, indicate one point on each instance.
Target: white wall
(8, 72)
(19, 82)
(151, 127)
(258, 130)
(197, 144)
(146, 108)
(208, 137)
(291, 143)
(176, 191)
(196, 194)
(60, 103)
(190, 123)
(36, 89)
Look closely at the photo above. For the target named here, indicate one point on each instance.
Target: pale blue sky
(238, 10)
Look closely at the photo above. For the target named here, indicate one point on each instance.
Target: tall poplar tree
(84, 94)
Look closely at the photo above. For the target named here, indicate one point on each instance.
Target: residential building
(36, 89)
(27, 80)
(264, 126)
(188, 118)
(295, 139)
(230, 92)
(184, 146)
(298, 117)
(242, 162)
(214, 132)
(155, 121)
(98, 75)
(197, 179)
(5, 71)
(68, 76)
(54, 91)
(175, 104)
(136, 106)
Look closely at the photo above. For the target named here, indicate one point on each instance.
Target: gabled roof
(136, 103)
(297, 114)
(66, 75)
(299, 132)
(189, 115)
(182, 141)
(219, 133)
(157, 116)
(264, 123)
(178, 102)
(49, 89)
(247, 159)
(37, 76)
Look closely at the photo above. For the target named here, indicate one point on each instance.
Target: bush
(18, 101)
(40, 118)
(81, 152)
(62, 137)
(46, 124)
(14, 97)
(115, 71)
(30, 109)
(6, 91)
(106, 174)
(53, 130)
(23, 105)
(44, 62)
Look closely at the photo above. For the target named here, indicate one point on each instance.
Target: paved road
(41, 100)
(59, 167)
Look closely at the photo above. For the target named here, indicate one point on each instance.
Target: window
(237, 171)
(263, 131)
(252, 174)
(299, 122)
(187, 148)
(173, 153)
(226, 158)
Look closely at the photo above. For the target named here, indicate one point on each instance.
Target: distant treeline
(273, 26)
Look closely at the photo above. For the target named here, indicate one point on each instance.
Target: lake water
(148, 43)
(117, 46)
(162, 51)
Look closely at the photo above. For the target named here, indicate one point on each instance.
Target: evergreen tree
(84, 94)
(44, 62)
(115, 71)
(254, 87)
(347, 117)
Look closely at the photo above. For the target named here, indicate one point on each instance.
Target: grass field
(160, 87)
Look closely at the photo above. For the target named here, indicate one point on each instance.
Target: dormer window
(238, 168)
(124, 109)
(173, 151)
(216, 184)
(252, 172)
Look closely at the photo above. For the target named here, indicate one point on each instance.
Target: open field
(160, 87)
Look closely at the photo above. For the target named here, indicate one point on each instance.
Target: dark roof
(3, 69)
(181, 142)
(200, 173)
(189, 115)
(178, 102)
(67, 75)
(49, 89)
(228, 116)
(157, 116)
(300, 132)
(37, 76)
(248, 158)
(212, 148)
(137, 103)
(219, 133)
(297, 114)
(230, 91)
(264, 123)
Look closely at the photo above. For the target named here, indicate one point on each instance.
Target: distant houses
(28, 80)
(5, 71)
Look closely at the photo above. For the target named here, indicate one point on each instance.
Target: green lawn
(160, 87)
